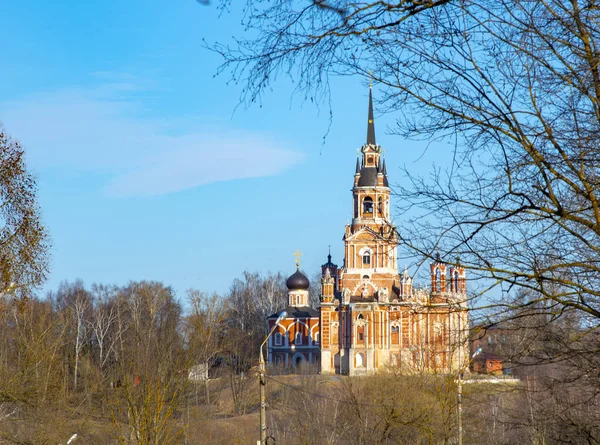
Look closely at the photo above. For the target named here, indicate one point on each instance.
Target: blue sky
(146, 168)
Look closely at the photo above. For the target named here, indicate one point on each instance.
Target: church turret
(406, 285)
(371, 123)
(457, 278)
(327, 286)
(297, 285)
(438, 276)
(328, 281)
(371, 189)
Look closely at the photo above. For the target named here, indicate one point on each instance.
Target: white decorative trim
(364, 250)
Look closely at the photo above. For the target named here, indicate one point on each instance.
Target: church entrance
(298, 360)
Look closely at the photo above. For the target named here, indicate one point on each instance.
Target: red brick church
(372, 317)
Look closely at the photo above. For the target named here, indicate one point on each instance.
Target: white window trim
(278, 339)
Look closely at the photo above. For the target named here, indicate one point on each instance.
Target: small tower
(327, 286)
(332, 268)
(457, 278)
(438, 276)
(405, 285)
(297, 285)
(295, 340)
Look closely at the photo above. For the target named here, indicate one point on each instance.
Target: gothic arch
(360, 285)
(360, 360)
(312, 333)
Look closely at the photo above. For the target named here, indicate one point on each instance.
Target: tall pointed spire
(371, 124)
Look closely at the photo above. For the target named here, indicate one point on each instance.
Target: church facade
(371, 317)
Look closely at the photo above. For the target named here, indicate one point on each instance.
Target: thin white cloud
(196, 160)
(102, 129)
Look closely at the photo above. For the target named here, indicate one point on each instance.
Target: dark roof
(368, 177)
(357, 167)
(329, 264)
(487, 356)
(371, 123)
(297, 281)
(297, 312)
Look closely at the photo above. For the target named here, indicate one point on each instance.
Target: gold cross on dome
(297, 254)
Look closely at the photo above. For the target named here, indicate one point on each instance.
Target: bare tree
(24, 241)
(74, 304)
(103, 320)
(152, 367)
(203, 328)
(513, 84)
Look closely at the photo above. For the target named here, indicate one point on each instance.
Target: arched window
(355, 207)
(298, 339)
(380, 206)
(368, 205)
(277, 339)
(456, 281)
(438, 280)
(360, 317)
(366, 259)
(360, 360)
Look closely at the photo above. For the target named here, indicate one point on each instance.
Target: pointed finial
(371, 124)
(357, 172)
(297, 254)
(370, 79)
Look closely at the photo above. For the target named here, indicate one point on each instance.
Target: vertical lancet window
(368, 205)
(366, 259)
(438, 280)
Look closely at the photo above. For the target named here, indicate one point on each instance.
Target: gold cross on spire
(297, 254)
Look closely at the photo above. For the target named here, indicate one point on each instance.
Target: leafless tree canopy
(513, 84)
